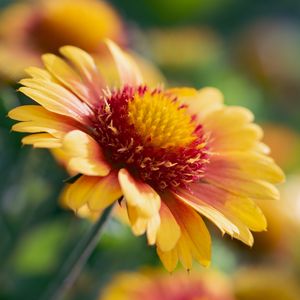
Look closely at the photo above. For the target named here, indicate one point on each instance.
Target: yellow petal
(41, 140)
(139, 194)
(200, 103)
(128, 70)
(106, 191)
(85, 154)
(248, 212)
(39, 73)
(93, 191)
(169, 231)
(169, 259)
(137, 222)
(194, 234)
(37, 119)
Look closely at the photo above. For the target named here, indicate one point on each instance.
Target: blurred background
(250, 50)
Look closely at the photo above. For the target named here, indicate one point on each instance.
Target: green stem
(76, 261)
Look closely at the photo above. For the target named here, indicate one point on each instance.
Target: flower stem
(76, 261)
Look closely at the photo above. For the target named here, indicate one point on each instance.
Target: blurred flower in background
(198, 47)
(268, 51)
(276, 136)
(265, 283)
(29, 29)
(156, 285)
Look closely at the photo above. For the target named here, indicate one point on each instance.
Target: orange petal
(128, 70)
(85, 154)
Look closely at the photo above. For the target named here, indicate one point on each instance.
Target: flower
(174, 155)
(153, 285)
(265, 283)
(27, 30)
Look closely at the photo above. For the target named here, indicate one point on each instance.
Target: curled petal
(139, 194)
(85, 154)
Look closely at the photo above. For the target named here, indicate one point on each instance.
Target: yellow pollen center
(160, 121)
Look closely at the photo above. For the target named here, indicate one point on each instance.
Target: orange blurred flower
(275, 136)
(265, 284)
(172, 153)
(157, 286)
(28, 29)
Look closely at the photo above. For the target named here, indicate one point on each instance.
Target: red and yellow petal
(240, 212)
(68, 77)
(56, 99)
(85, 154)
(128, 70)
(85, 65)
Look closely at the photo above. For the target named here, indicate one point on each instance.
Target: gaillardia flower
(174, 155)
(154, 285)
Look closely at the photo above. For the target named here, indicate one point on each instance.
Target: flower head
(174, 155)
(153, 285)
(27, 30)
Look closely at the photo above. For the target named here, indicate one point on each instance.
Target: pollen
(161, 121)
